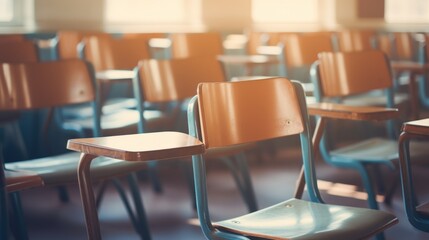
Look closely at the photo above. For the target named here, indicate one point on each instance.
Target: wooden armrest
(420, 127)
(414, 67)
(339, 111)
(140, 147)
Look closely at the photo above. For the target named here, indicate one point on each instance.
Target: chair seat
(299, 219)
(62, 169)
(19, 180)
(370, 150)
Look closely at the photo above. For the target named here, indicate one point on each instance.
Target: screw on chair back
(196, 44)
(230, 113)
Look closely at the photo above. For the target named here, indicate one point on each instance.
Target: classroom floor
(171, 215)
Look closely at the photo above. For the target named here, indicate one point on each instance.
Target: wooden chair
(275, 109)
(339, 75)
(174, 82)
(418, 214)
(33, 86)
(68, 41)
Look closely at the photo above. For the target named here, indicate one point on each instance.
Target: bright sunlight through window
(285, 11)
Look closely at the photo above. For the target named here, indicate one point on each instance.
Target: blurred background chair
(339, 75)
(247, 119)
(35, 86)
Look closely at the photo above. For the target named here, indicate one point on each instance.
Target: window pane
(407, 11)
(289, 11)
(6, 10)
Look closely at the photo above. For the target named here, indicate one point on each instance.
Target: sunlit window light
(287, 11)
(407, 11)
(6, 10)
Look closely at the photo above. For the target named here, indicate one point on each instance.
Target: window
(285, 11)
(407, 11)
(6, 10)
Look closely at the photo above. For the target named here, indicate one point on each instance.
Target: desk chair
(418, 214)
(174, 82)
(33, 86)
(251, 111)
(339, 75)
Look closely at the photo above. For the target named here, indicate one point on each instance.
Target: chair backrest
(348, 73)
(106, 52)
(398, 45)
(302, 49)
(26, 86)
(68, 42)
(175, 79)
(18, 51)
(196, 44)
(355, 40)
(248, 111)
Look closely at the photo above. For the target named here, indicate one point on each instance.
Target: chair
(339, 75)
(34, 86)
(275, 109)
(174, 82)
(418, 214)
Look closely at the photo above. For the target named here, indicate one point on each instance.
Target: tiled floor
(171, 216)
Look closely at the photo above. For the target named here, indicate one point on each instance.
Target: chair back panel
(355, 40)
(196, 44)
(247, 111)
(127, 52)
(302, 49)
(348, 73)
(39, 85)
(18, 51)
(177, 79)
(404, 45)
(98, 51)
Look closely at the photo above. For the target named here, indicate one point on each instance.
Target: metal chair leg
(139, 207)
